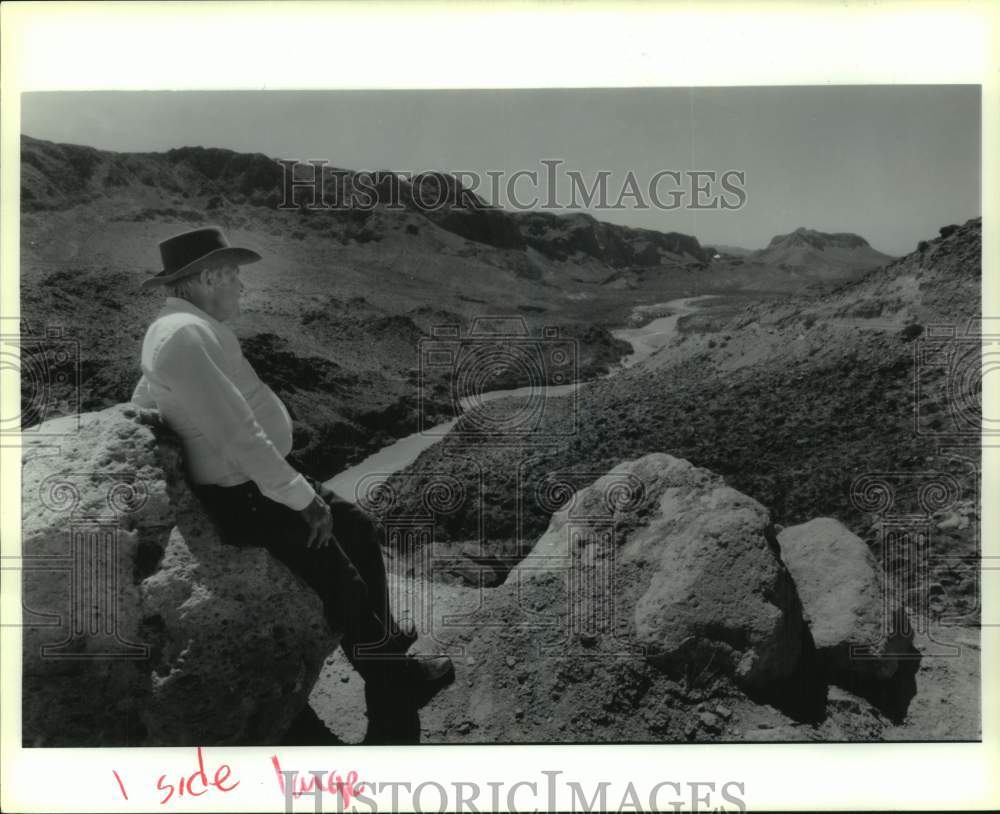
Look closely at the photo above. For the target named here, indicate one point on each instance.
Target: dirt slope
(814, 407)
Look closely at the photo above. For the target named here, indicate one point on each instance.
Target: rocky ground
(521, 679)
(812, 407)
(818, 405)
(789, 401)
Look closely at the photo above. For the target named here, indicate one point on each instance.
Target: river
(645, 340)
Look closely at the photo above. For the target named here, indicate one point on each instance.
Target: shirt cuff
(141, 396)
(296, 495)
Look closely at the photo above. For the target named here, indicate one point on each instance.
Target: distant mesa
(822, 253)
(819, 240)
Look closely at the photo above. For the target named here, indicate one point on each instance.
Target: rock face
(653, 581)
(560, 237)
(703, 581)
(842, 592)
(142, 628)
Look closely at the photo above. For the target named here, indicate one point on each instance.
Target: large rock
(654, 581)
(695, 566)
(844, 602)
(140, 627)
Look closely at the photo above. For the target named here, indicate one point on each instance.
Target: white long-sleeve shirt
(233, 427)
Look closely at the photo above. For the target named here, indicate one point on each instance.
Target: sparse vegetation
(335, 318)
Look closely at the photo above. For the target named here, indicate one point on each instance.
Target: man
(235, 433)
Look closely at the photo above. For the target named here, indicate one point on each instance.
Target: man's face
(226, 289)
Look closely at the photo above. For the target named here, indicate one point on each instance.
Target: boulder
(653, 583)
(842, 590)
(686, 563)
(140, 627)
(713, 584)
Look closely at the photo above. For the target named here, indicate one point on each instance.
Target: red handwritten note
(346, 788)
(192, 785)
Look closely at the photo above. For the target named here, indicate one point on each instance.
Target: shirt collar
(172, 305)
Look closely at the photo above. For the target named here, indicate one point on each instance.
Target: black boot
(422, 677)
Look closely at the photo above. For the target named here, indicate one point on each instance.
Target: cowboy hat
(190, 252)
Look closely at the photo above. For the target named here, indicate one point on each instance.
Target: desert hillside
(819, 380)
(334, 315)
(792, 401)
(843, 405)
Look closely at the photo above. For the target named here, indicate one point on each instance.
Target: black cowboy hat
(193, 251)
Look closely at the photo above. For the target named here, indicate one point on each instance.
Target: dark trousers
(348, 574)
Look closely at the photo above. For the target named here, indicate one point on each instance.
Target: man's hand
(320, 522)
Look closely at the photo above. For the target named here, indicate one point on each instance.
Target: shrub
(945, 231)
(923, 246)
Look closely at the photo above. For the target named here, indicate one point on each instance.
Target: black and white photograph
(471, 416)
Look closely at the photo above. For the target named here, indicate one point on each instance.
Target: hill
(335, 314)
(791, 401)
(862, 405)
(818, 253)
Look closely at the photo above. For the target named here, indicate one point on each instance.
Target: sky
(890, 163)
